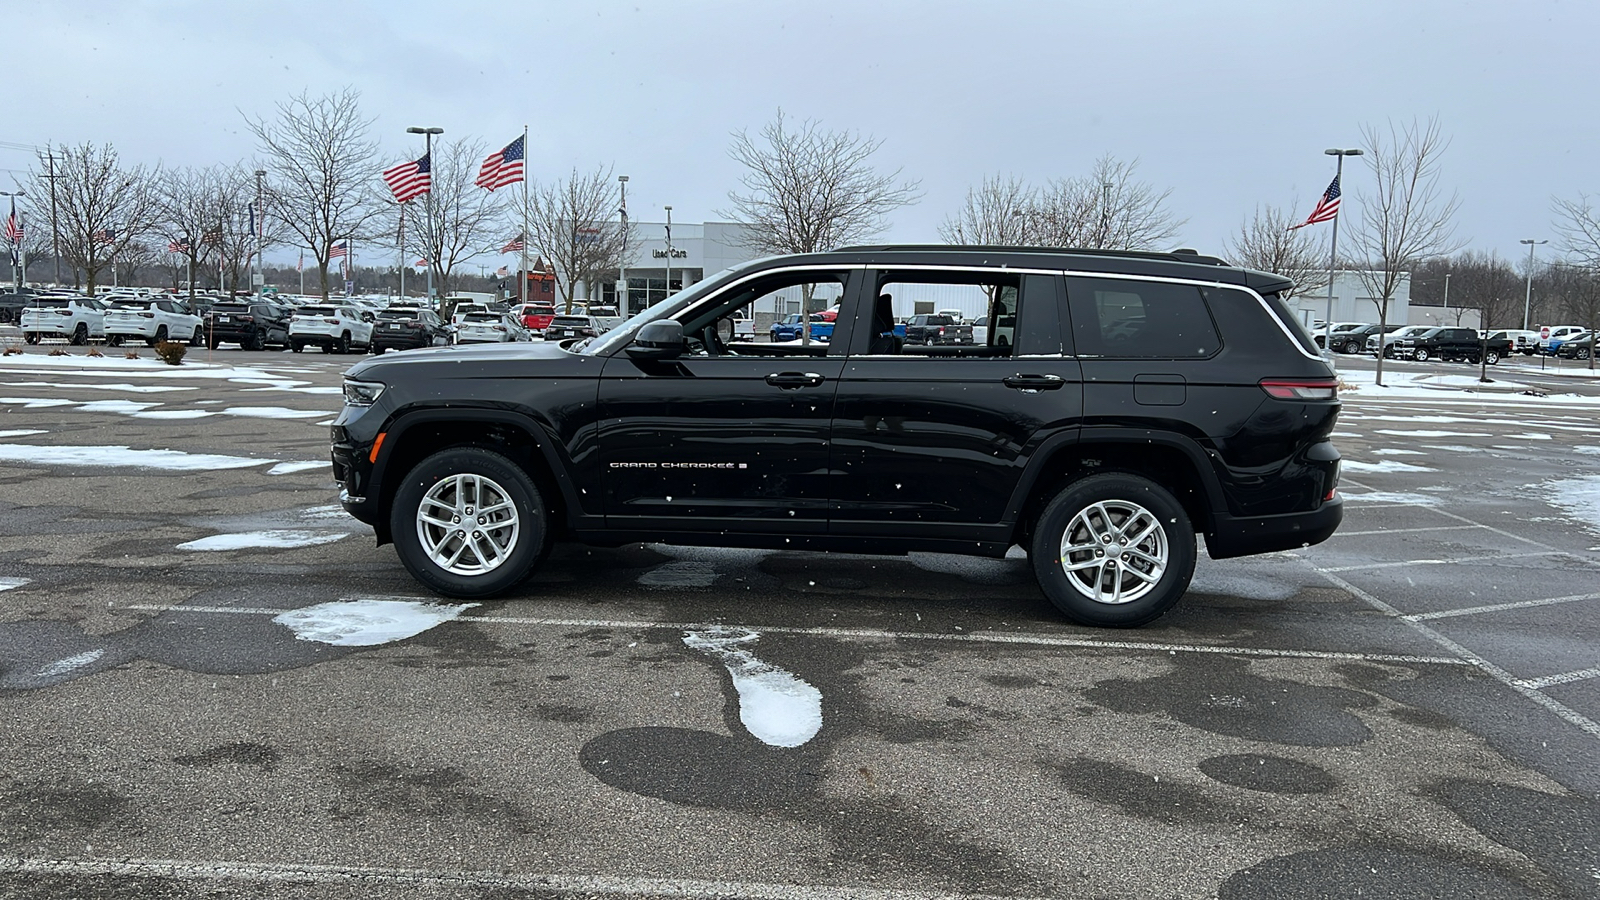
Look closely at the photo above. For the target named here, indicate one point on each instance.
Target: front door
(733, 434)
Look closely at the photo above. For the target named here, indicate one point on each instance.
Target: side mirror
(661, 339)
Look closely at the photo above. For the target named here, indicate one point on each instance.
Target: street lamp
(669, 251)
(427, 137)
(623, 304)
(1333, 250)
(261, 227)
(21, 257)
(1527, 299)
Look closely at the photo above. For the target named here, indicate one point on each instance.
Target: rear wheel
(1582, 353)
(256, 341)
(114, 340)
(161, 335)
(468, 522)
(1492, 357)
(80, 335)
(198, 339)
(296, 346)
(31, 337)
(1113, 550)
(1420, 354)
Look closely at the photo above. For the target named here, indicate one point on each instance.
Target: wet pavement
(1408, 710)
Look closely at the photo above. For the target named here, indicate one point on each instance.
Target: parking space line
(1497, 607)
(620, 886)
(1554, 706)
(1566, 678)
(1465, 560)
(1338, 534)
(976, 637)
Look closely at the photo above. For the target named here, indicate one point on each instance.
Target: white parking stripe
(874, 634)
(1464, 560)
(586, 885)
(1566, 678)
(1474, 610)
(1559, 709)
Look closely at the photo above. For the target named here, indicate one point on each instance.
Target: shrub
(11, 350)
(171, 352)
(131, 354)
(59, 352)
(94, 351)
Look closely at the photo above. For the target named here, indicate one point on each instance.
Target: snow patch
(126, 407)
(367, 622)
(171, 414)
(22, 432)
(1579, 498)
(245, 540)
(34, 402)
(7, 584)
(129, 388)
(1391, 497)
(776, 707)
(1433, 434)
(70, 664)
(289, 468)
(1391, 452)
(171, 460)
(1387, 465)
(273, 412)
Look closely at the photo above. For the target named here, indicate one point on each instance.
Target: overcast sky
(1228, 103)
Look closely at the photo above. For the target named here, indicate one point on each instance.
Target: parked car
(336, 329)
(1449, 345)
(936, 330)
(1339, 334)
(1549, 333)
(152, 321)
(658, 431)
(253, 326)
(77, 319)
(1525, 342)
(564, 327)
(12, 302)
(408, 328)
(1409, 331)
(489, 327)
(536, 316)
(1576, 346)
(1355, 341)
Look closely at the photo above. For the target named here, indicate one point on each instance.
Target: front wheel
(1582, 353)
(198, 339)
(1420, 355)
(1113, 550)
(31, 337)
(344, 343)
(468, 522)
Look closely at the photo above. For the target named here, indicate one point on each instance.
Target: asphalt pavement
(216, 685)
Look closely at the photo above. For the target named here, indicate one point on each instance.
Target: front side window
(1117, 318)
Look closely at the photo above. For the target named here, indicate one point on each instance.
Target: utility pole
(55, 239)
(261, 229)
(622, 276)
(1527, 300)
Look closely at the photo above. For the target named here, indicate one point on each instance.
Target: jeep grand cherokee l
(1123, 403)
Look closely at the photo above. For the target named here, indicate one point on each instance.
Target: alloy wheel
(467, 524)
(1114, 552)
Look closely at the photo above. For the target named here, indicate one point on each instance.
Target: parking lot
(216, 686)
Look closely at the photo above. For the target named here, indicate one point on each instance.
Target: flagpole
(400, 242)
(522, 274)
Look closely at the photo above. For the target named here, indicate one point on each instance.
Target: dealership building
(656, 268)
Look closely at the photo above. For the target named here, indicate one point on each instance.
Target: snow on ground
(367, 622)
(123, 386)
(265, 378)
(289, 468)
(774, 706)
(1432, 434)
(1401, 384)
(1387, 465)
(1389, 451)
(1579, 498)
(7, 584)
(70, 664)
(172, 414)
(1592, 451)
(273, 412)
(35, 402)
(1400, 497)
(123, 457)
(249, 540)
(331, 511)
(22, 432)
(126, 407)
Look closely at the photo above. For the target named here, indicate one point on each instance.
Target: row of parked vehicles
(1424, 342)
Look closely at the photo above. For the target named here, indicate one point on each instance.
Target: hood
(379, 368)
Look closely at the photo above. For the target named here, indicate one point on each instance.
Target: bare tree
(808, 189)
(999, 212)
(570, 225)
(1576, 288)
(136, 257)
(321, 164)
(102, 208)
(207, 208)
(1268, 241)
(456, 221)
(1109, 209)
(1405, 216)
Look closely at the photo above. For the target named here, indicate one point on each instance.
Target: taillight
(147, 315)
(1300, 388)
(331, 321)
(499, 328)
(247, 318)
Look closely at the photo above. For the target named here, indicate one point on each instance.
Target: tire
(1581, 353)
(256, 341)
(198, 339)
(1492, 357)
(80, 335)
(161, 335)
(449, 479)
(1420, 354)
(31, 337)
(114, 340)
(344, 343)
(296, 346)
(327, 348)
(1073, 527)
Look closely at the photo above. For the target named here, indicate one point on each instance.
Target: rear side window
(1127, 319)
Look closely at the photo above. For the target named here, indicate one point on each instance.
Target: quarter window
(949, 314)
(1129, 319)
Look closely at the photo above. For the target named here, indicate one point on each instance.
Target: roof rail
(1183, 255)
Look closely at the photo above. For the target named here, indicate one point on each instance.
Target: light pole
(622, 276)
(669, 251)
(261, 227)
(20, 260)
(1333, 251)
(1447, 298)
(427, 137)
(1527, 300)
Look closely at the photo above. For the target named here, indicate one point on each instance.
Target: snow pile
(367, 622)
(247, 540)
(774, 706)
(289, 468)
(1387, 465)
(1579, 498)
(122, 457)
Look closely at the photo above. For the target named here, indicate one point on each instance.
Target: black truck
(1450, 345)
(1120, 404)
(934, 330)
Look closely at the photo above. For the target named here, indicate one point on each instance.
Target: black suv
(253, 326)
(1118, 404)
(407, 328)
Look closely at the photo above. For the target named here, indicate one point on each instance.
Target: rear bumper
(1245, 536)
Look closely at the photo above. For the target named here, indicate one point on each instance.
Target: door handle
(789, 380)
(1033, 382)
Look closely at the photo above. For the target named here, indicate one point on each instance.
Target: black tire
(212, 344)
(114, 340)
(80, 335)
(296, 346)
(256, 341)
(198, 339)
(1173, 529)
(532, 538)
(327, 348)
(31, 337)
(1420, 354)
(161, 335)
(344, 343)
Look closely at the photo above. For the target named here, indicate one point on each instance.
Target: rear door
(930, 441)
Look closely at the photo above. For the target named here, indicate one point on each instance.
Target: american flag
(301, 266)
(421, 264)
(106, 235)
(339, 249)
(214, 236)
(1327, 208)
(14, 225)
(503, 166)
(502, 271)
(410, 180)
(181, 245)
(515, 245)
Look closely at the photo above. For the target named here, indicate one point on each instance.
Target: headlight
(361, 393)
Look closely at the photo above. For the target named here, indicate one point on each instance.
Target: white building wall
(1353, 301)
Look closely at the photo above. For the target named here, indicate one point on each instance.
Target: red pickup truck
(537, 316)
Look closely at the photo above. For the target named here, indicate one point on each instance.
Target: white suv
(336, 329)
(479, 327)
(78, 319)
(151, 321)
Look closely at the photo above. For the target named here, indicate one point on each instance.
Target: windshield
(619, 336)
(482, 317)
(570, 320)
(48, 304)
(318, 310)
(398, 312)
